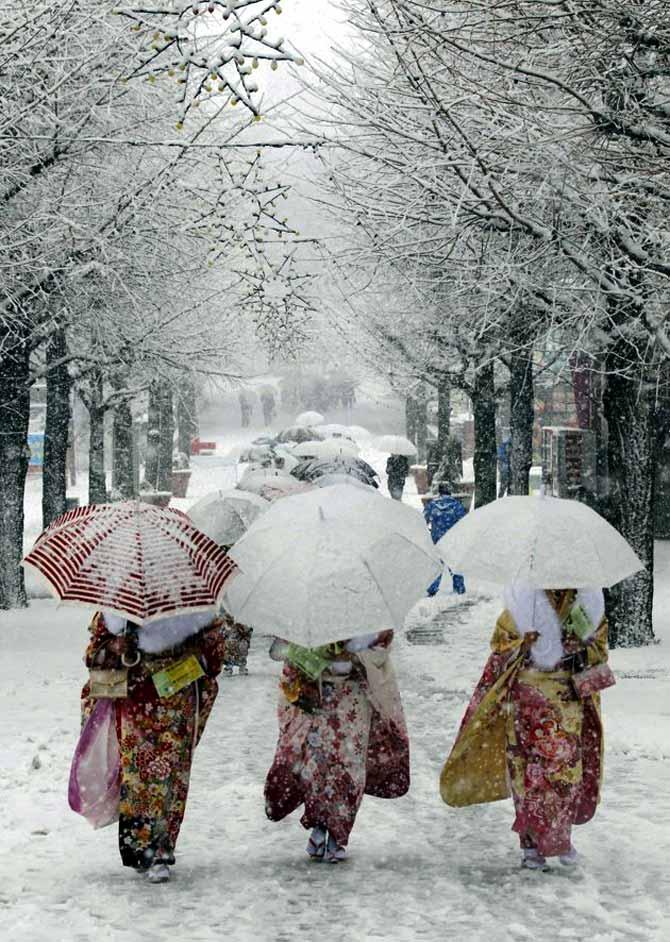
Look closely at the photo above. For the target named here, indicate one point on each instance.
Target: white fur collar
(166, 633)
(532, 611)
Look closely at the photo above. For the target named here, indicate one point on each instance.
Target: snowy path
(417, 869)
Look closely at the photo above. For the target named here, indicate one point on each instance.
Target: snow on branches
(209, 48)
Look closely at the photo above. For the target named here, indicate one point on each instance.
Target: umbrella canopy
(271, 483)
(132, 559)
(309, 418)
(314, 469)
(225, 515)
(331, 448)
(284, 458)
(543, 542)
(335, 562)
(299, 433)
(333, 430)
(258, 453)
(341, 477)
(396, 445)
(358, 433)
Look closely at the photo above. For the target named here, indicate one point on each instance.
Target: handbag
(592, 680)
(107, 684)
(94, 789)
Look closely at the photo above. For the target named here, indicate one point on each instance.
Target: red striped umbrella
(132, 559)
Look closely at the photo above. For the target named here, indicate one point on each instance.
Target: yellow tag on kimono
(173, 679)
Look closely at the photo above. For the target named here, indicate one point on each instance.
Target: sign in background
(36, 445)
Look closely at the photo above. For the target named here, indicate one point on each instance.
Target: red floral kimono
(156, 740)
(337, 743)
(527, 733)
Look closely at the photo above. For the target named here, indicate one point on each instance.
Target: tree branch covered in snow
(208, 48)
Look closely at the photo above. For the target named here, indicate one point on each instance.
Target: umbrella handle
(138, 658)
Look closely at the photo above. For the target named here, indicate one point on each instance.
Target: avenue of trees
(502, 174)
(143, 238)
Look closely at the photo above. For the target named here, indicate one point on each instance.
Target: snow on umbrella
(342, 477)
(331, 448)
(271, 483)
(358, 433)
(396, 445)
(544, 542)
(314, 469)
(299, 433)
(256, 453)
(333, 430)
(225, 515)
(132, 559)
(332, 563)
(309, 418)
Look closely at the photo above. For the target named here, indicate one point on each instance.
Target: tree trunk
(153, 437)
(631, 444)
(14, 456)
(443, 415)
(166, 441)
(522, 417)
(97, 481)
(421, 441)
(123, 476)
(57, 426)
(410, 419)
(485, 456)
(187, 417)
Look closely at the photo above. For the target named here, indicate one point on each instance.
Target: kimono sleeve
(213, 648)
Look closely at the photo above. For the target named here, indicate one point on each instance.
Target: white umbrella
(225, 515)
(333, 429)
(288, 459)
(331, 448)
(309, 418)
(396, 445)
(256, 478)
(339, 477)
(543, 542)
(358, 433)
(335, 562)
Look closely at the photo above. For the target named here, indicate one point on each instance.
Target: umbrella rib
(381, 592)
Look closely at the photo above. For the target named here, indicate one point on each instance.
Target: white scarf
(165, 633)
(531, 610)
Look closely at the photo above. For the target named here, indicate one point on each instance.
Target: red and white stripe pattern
(133, 559)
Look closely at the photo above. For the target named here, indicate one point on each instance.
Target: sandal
(316, 845)
(335, 853)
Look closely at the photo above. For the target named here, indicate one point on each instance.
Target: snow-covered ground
(418, 870)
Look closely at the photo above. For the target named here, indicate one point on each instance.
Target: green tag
(579, 623)
(309, 660)
(173, 679)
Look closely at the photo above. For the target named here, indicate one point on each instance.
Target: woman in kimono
(533, 726)
(156, 734)
(342, 734)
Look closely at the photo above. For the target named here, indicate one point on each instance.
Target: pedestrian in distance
(397, 469)
(342, 735)
(268, 405)
(533, 727)
(246, 408)
(238, 642)
(441, 513)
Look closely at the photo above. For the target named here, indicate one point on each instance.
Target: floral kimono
(339, 738)
(526, 731)
(156, 736)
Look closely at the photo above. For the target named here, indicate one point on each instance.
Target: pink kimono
(339, 739)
